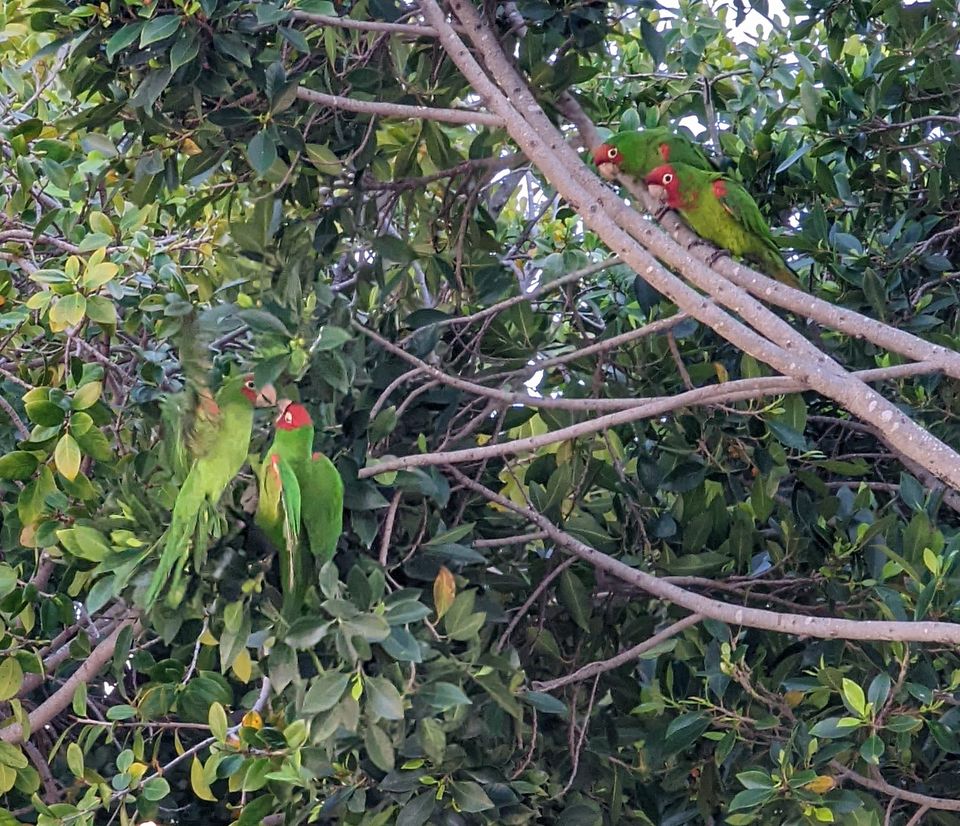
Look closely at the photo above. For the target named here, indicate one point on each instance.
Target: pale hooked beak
(657, 192)
(607, 170)
(282, 405)
(266, 396)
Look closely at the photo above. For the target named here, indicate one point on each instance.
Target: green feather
(730, 219)
(220, 450)
(321, 488)
(645, 150)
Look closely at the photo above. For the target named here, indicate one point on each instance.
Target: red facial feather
(605, 153)
(294, 416)
(720, 189)
(666, 178)
(249, 388)
(665, 152)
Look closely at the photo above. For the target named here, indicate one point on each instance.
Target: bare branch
(63, 696)
(880, 785)
(637, 651)
(398, 110)
(634, 410)
(781, 623)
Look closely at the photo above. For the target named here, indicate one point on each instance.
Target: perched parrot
(721, 211)
(219, 445)
(278, 516)
(321, 488)
(638, 153)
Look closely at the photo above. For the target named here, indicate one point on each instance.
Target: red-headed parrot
(321, 488)
(278, 516)
(638, 153)
(218, 444)
(721, 211)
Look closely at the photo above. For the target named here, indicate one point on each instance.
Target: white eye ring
(287, 418)
(668, 178)
(612, 152)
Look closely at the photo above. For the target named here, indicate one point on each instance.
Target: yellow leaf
(200, 786)
(821, 784)
(444, 591)
(87, 395)
(793, 698)
(67, 312)
(101, 223)
(206, 638)
(242, 666)
(137, 770)
(189, 147)
(252, 719)
(99, 274)
(721, 371)
(67, 457)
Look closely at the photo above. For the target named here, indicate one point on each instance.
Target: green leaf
(262, 151)
(443, 696)
(186, 48)
(156, 788)
(18, 465)
(325, 692)
(751, 799)
(383, 699)
(159, 28)
(544, 703)
(379, 748)
(84, 543)
(854, 698)
(101, 310)
(574, 597)
(470, 796)
(11, 678)
(418, 810)
(75, 759)
(123, 38)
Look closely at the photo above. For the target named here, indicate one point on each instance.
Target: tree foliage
(249, 181)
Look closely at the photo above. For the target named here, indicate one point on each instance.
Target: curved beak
(607, 170)
(266, 397)
(657, 192)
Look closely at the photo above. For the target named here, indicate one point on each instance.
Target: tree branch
(793, 355)
(398, 110)
(881, 785)
(635, 410)
(781, 623)
(63, 696)
(637, 651)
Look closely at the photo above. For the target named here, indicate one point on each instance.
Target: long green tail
(777, 268)
(176, 547)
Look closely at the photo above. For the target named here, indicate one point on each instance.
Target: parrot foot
(658, 215)
(716, 256)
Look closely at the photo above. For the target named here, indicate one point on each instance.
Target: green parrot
(219, 444)
(637, 153)
(321, 488)
(721, 211)
(278, 516)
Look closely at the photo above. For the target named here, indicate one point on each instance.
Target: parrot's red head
(608, 159)
(265, 397)
(293, 416)
(664, 185)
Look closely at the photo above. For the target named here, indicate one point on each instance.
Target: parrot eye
(249, 384)
(288, 418)
(668, 178)
(612, 152)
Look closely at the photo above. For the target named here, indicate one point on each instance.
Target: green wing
(740, 204)
(323, 516)
(226, 431)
